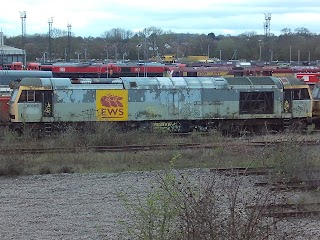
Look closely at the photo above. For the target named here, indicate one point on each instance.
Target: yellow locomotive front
(30, 104)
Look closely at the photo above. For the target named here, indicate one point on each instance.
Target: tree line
(151, 43)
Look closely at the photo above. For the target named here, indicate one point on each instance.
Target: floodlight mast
(23, 16)
(68, 58)
(267, 41)
(50, 21)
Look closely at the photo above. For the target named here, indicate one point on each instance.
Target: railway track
(237, 171)
(149, 147)
(294, 210)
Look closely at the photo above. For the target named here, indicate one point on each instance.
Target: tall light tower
(23, 16)
(267, 17)
(50, 21)
(69, 43)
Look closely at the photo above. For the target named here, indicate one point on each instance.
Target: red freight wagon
(309, 78)
(4, 109)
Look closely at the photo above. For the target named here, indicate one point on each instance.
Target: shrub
(294, 162)
(11, 165)
(184, 207)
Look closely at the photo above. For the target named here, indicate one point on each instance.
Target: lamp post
(234, 54)
(78, 53)
(290, 54)
(271, 55)
(260, 50)
(85, 54)
(138, 49)
(44, 57)
(208, 51)
(220, 54)
(308, 56)
(123, 55)
(298, 57)
(116, 53)
(260, 53)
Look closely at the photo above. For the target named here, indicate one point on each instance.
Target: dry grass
(224, 156)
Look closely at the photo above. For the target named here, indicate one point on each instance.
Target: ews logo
(112, 105)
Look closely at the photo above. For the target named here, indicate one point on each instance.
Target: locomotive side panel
(164, 104)
(89, 105)
(219, 103)
(182, 104)
(74, 105)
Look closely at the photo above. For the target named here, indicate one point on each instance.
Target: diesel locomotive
(178, 104)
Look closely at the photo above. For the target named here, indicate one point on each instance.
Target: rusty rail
(150, 147)
(289, 210)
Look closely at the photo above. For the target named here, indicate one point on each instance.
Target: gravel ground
(83, 206)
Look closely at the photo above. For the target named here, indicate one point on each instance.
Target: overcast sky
(94, 17)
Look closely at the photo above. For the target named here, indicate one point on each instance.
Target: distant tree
(286, 31)
(302, 31)
(116, 34)
(58, 33)
(212, 35)
(228, 46)
(248, 34)
(117, 43)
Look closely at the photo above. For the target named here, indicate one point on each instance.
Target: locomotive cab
(297, 102)
(316, 105)
(30, 104)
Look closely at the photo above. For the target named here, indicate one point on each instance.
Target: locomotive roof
(24, 73)
(218, 82)
(66, 83)
(291, 81)
(44, 82)
(258, 81)
(6, 76)
(173, 82)
(199, 82)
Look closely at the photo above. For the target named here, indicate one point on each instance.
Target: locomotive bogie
(175, 104)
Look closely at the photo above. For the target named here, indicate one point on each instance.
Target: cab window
(301, 94)
(30, 96)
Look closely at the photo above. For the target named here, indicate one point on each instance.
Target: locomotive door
(287, 103)
(47, 110)
(173, 104)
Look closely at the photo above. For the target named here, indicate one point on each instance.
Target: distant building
(9, 55)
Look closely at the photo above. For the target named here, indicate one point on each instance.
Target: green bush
(293, 162)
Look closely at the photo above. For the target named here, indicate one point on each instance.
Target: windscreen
(14, 95)
(316, 92)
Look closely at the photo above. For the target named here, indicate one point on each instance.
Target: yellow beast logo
(112, 105)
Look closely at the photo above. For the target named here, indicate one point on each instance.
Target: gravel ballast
(83, 206)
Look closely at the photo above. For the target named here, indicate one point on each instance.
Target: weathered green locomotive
(180, 104)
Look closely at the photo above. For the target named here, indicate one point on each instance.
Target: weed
(294, 163)
(181, 206)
